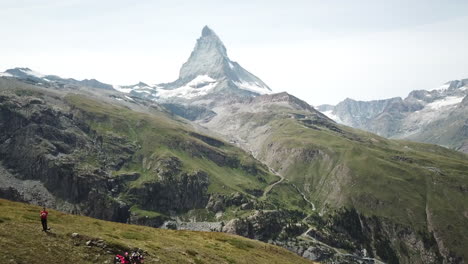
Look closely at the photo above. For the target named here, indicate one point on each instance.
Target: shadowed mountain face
(436, 116)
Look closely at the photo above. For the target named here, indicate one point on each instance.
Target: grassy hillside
(413, 184)
(159, 136)
(23, 241)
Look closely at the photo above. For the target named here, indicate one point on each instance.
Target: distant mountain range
(439, 116)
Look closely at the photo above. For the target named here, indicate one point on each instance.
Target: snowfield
(5, 74)
(447, 101)
(333, 117)
(199, 86)
(33, 73)
(253, 87)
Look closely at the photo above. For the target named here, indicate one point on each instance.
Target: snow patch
(199, 86)
(447, 101)
(33, 73)
(253, 87)
(136, 88)
(200, 79)
(5, 74)
(332, 116)
(122, 89)
(143, 91)
(436, 110)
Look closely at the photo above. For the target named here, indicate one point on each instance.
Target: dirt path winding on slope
(281, 179)
(269, 187)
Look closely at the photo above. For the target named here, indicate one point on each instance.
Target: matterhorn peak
(209, 58)
(206, 31)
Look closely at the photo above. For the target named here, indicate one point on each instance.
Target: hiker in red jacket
(44, 214)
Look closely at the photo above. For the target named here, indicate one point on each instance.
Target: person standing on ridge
(44, 214)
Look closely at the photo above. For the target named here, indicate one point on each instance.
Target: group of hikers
(136, 257)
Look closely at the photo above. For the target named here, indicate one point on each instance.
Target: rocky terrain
(437, 116)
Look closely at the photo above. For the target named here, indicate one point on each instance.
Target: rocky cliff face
(47, 145)
(376, 236)
(176, 191)
(382, 115)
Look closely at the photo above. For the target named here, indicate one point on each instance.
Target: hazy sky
(320, 51)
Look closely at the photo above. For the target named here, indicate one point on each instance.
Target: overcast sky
(320, 51)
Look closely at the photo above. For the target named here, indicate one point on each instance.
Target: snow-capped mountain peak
(209, 58)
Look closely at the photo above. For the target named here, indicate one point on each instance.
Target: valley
(217, 150)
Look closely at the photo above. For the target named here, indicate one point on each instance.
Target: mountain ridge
(31, 76)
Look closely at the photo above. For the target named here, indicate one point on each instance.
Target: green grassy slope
(410, 199)
(420, 185)
(22, 241)
(158, 136)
